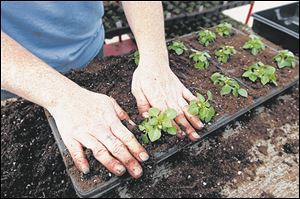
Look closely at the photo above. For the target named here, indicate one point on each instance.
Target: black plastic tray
(181, 17)
(279, 25)
(114, 182)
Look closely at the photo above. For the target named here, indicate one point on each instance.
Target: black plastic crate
(279, 25)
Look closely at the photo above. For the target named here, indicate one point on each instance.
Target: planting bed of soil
(29, 152)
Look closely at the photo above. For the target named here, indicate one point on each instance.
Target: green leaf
(247, 73)
(200, 97)
(170, 113)
(253, 77)
(171, 131)
(141, 127)
(203, 113)
(167, 124)
(193, 109)
(243, 92)
(153, 112)
(179, 51)
(264, 80)
(226, 90)
(145, 138)
(153, 121)
(210, 114)
(154, 135)
(209, 96)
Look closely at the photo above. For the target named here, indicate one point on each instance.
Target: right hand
(92, 120)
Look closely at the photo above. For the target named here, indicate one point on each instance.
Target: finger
(77, 155)
(190, 131)
(142, 102)
(119, 151)
(188, 95)
(136, 149)
(122, 115)
(102, 155)
(180, 134)
(194, 120)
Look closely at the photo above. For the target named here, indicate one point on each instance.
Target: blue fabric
(66, 35)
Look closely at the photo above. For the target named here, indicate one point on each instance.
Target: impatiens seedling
(261, 71)
(202, 107)
(224, 29)
(254, 44)
(224, 53)
(228, 85)
(201, 59)
(156, 123)
(136, 57)
(206, 37)
(178, 47)
(285, 58)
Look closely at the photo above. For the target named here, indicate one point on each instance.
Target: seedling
(224, 53)
(178, 47)
(228, 85)
(201, 59)
(156, 123)
(202, 107)
(224, 29)
(285, 58)
(206, 37)
(261, 71)
(254, 44)
(136, 57)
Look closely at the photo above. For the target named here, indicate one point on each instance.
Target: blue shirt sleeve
(65, 35)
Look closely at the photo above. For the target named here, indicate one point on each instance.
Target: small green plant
(136, 57)
(261, 71)
(202, 107)
(224, 53)
(178, 47)
(229, 85)
(285, 58)
(224, 29)
(206, 37)
(201, 59)
(254, 44)
(156, 123)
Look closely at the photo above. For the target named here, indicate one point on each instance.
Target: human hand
(157, 86)
(92, 120)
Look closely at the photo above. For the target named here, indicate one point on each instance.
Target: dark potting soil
(243, 58)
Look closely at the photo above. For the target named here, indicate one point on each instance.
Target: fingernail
(120, 169)
(145, 115)
(144, 156)
(195, 135)
(131, 122)
(138, 172)
(201, 125)
(182, 135)
(85, 169)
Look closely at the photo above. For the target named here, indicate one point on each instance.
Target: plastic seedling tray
(114, 182)
(279, 25)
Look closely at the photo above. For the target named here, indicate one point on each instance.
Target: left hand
(157, 86)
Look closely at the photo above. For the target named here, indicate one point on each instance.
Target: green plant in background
(261, 71)
(206, 37)
(224, 29)
(229, 85)
(201, 59)
(178, 47)
(202, 107)
(285, 58)
(156, 123)
(224, 53)
(136, 57)
(254, 44)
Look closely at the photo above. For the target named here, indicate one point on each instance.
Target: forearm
(147, 24)
(26, 75)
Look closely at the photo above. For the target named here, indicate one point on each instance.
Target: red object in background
(119, 48)
(249, 12)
